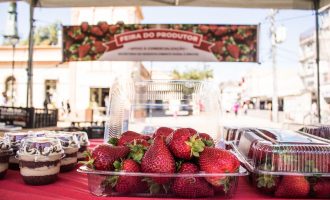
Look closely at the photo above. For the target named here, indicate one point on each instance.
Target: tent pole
(317, 43)
(29, 91)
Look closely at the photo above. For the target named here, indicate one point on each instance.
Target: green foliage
(193, 74)
(47, 35)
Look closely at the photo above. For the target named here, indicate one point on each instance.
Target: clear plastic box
(97, 180)
(322, 131)
(275, 157)
(143, 106)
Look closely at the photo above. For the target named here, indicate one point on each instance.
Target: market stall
(76, 185)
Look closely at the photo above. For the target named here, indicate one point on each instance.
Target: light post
(278, 35)
(13, 40)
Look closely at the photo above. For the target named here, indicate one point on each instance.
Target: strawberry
(204, 28)
(233, 50)
(191, 187)
(128, 184)
(104, 155)
(163, 132)
(213, 28)
(221, 31)
(322, 188)
(207, 139)
(84, 27)
(83, 50)
(214, 160)
(99, 47)
(185, 144)
(104, 26)
(96, 31)
(293, 187)
(137, 149)
(129, 136)
(113, 29)
(74, 48)
(158, 159)
(76, 34)
(265, 182)
(192, 131)
(218, 47)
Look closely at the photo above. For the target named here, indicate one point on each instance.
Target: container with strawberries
(169, 163)
(286, 163)
(318, 130)
(163, 141)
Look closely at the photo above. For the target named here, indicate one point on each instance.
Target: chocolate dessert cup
(40, 160)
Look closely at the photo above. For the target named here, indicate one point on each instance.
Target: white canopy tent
(278, 4)
(316, 5)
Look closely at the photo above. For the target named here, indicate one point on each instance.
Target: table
(73, 185)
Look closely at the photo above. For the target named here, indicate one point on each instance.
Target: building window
(50, 93)
(99, 97)
(10, 91)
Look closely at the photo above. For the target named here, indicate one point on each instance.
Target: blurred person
(236, 108)
(68, 107)
(245, 108)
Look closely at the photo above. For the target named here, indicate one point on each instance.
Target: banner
(165, 42)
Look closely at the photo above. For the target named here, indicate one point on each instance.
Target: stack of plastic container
(286, 163)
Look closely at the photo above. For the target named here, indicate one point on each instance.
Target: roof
(279, 4)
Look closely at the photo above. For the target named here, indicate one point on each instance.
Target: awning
(278, 4)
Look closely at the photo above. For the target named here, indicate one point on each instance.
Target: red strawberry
(213, 28)
(95, 30)
(192, 131)
(214, 160)
(84, 27)
(104, 155)
(238, 37)
(76, 34)
(218, 47)
(233, 50)
(221, 30)
(204, 28)
(267, 183)
(191, 187)
(83, 50)
(207, 139)
(129, 136)
(104, 26)
(128, 184)
(99, 47)
(137, 149)
(158, 159)
(163, 132)
(113, 29)
(293, 187)
(322, 189)
(185, 144)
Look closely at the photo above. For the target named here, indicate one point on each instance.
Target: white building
(308, 70)
(83, 84)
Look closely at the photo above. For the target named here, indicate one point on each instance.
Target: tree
(193, 74)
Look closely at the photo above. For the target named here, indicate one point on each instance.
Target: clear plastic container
(40, 160)
(278, 157)
(143, 106)
(322, 131)
(97, 182)
(5, 153)
(15, 139)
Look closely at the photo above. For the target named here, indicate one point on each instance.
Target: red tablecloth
(73, 185)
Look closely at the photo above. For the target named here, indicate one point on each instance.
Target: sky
(295, 21)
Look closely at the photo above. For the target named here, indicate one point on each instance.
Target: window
(10, 91)
(50, 92)
(98, 97)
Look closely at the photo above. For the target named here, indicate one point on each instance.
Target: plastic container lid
(82, 137)
(318, 130)
(40, 147)
(142, 106)
(67, 140)
(4, 145)
(15, 138)
(283, 152)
